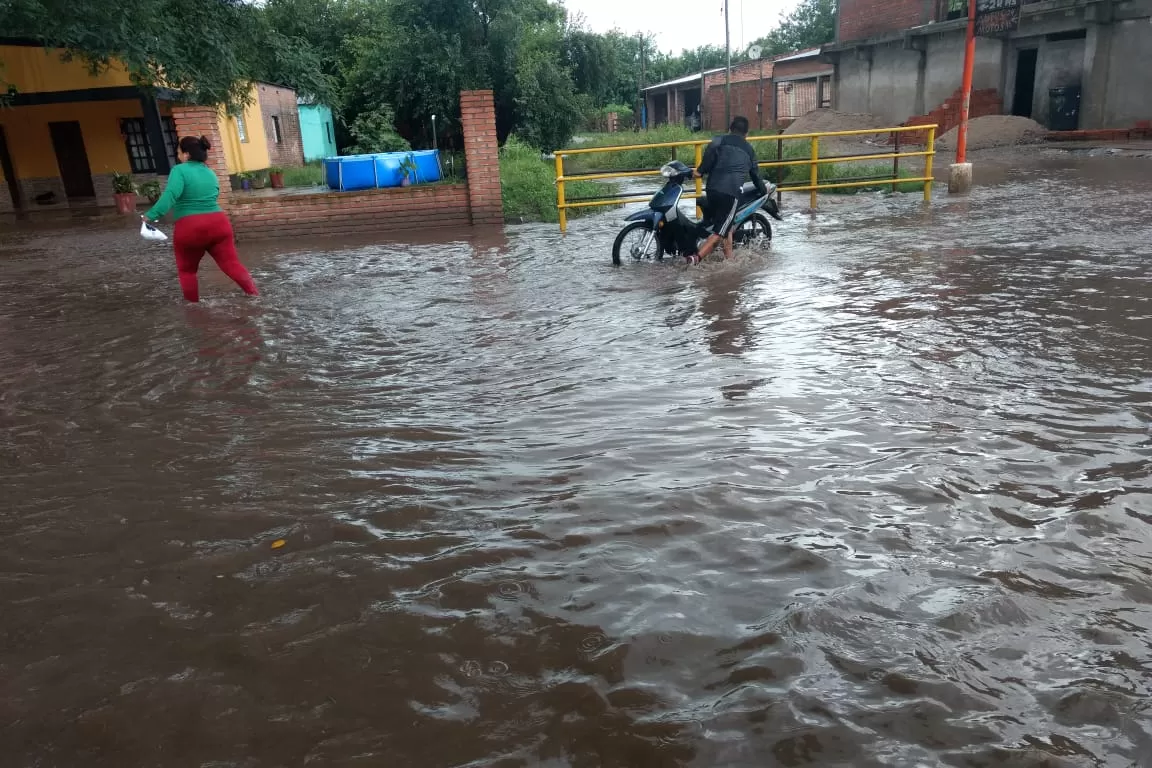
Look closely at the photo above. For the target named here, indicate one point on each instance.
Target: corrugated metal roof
(811, 53)
(683, 80)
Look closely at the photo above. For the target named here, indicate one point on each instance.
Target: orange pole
(966, 84)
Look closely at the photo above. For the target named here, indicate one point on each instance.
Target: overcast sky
(680, 24)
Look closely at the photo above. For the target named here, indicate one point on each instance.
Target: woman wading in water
(201, 225)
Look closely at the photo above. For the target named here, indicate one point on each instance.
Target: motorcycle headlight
(668, 171)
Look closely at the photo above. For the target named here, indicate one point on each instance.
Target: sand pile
(995, 131)
(827, 120)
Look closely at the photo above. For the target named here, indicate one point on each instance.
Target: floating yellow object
(278, 543)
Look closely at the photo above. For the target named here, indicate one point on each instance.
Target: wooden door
(9, 172)
(72, 158)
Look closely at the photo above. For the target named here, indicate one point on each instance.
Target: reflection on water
(879, 498)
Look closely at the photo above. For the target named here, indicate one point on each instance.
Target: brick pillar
(205, 121)
(482, 155)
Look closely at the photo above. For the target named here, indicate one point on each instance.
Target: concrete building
(64, 132)
(900, 59)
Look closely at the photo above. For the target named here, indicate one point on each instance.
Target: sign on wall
(997, 17)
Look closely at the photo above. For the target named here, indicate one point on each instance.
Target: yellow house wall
(35, 70)
(251, 155)
(30, 143)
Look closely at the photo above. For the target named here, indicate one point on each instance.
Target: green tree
(209, 49)
(375, 131)
(547, 108)
(810, 24)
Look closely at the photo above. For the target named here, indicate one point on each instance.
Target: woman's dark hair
(196, 148)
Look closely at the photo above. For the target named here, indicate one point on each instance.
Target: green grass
(305, 176)
(832, 173)
(650, 159)
(529, 185)
(635, 159)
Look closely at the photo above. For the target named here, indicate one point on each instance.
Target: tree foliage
(810, 24)
(374, 131)
(210, 49)
(386, 66)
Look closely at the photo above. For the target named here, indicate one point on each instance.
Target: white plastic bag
(149, 232)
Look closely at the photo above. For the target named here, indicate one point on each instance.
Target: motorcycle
(663, 229)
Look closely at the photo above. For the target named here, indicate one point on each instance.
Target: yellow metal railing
(813, 161)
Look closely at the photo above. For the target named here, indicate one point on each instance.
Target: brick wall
(982, 103)
(349, 213)
(482, 155)
(204, 121)
(280, 103)
(387, 210)
(30, 188)
(745, 97)
(862, 19)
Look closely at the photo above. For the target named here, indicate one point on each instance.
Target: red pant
(210, 232)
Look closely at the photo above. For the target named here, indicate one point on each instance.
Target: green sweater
(192, 188)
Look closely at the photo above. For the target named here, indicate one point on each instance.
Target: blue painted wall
(317, 132)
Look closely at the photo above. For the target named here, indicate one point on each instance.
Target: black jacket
(728, 162)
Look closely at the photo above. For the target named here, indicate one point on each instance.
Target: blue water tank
(380, 170)
(388, 173)
(427, 166)
(350, 173)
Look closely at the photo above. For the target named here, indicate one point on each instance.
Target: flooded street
(882, 497)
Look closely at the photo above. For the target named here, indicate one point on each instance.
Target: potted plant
(259, 180)
(276, 176)
(151, 191)
(245, 180)
(408, 169)
(125, 191)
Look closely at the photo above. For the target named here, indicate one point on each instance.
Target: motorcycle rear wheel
(756, 232)
(631, 242)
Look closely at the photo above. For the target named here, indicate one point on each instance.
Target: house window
(276, 135)
(242, 129)
(140, 149)
(956, 9)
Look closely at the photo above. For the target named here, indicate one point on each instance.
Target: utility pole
(643, 83)
(728, 70)
(960, 176)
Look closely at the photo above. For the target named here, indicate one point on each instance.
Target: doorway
(1025, 91)
(72, 159)
(660, 109)
(9, 171)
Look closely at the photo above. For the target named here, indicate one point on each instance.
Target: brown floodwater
(881, 497)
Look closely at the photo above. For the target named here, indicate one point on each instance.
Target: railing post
(896, 166)
(560, 201)
(928, 164)
(699, 182)
(815, 173)
(779, 170)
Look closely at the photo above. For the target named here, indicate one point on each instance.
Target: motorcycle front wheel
(756, 232)
(637, 241)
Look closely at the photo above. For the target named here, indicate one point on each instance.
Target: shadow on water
(879, 497)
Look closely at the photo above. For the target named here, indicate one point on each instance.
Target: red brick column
(204, 121)
(482, 154)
